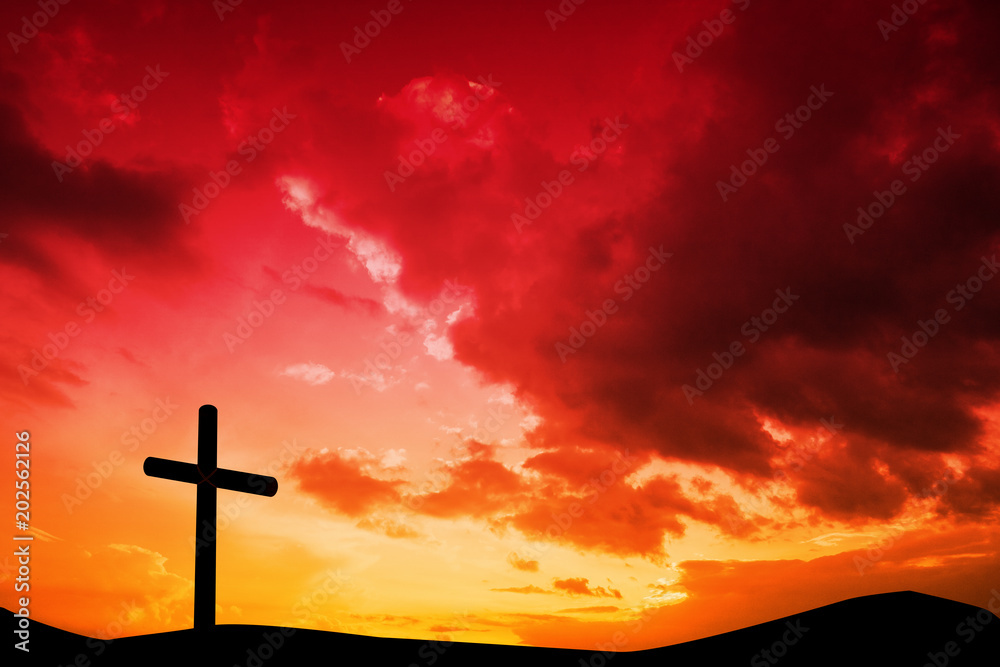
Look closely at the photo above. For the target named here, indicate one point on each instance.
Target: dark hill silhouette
(893, 629)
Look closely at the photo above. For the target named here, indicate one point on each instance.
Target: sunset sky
(658, 318)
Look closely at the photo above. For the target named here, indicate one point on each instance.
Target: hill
(904, 628)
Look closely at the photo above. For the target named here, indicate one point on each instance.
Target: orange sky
(547, 332)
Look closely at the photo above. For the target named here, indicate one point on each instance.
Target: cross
(208, 477)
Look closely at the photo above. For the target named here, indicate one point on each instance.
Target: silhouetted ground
(903, 629)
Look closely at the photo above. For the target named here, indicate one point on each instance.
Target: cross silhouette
(208, 477)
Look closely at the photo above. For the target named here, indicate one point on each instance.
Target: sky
(555, 322)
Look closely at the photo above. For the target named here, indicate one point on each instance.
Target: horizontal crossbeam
(222, 478)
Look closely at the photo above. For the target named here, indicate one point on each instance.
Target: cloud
(655, 191)
(583, 504)
(387, 527)
(120, 214)
(530, 589)
(128, 589)
(338, 298)
(376, 379)
(438, 347)
(310, 373)
(299, 196)
(448, 628)
(522, 564)
(342, 484)
(99, 202)
(478, 487)
(710, 597)
(579, 586)
(645, 157)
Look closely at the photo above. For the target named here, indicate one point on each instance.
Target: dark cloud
(118, 210)
(338, 298)
(783, 231)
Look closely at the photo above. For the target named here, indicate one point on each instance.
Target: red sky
(548, 328)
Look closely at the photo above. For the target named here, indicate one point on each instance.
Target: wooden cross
(208, 477)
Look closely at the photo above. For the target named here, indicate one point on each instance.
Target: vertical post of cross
(205, 515)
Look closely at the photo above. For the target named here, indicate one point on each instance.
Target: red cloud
(342, 485)
(479, 487)
(585, 504)
(824, 357)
